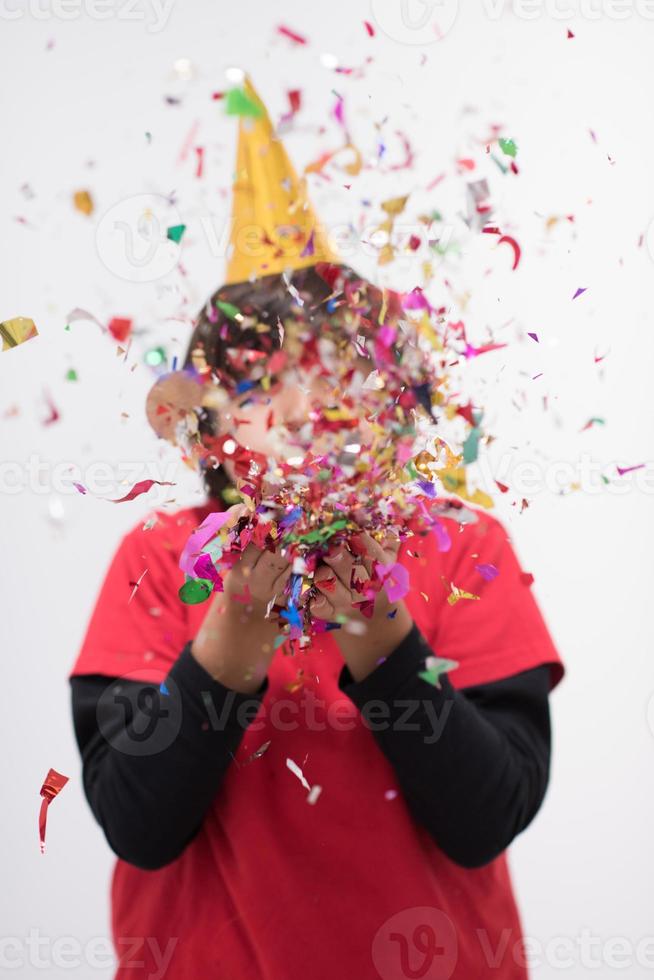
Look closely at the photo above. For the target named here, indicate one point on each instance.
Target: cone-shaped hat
(273, 226)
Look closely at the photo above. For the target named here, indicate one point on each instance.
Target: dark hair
(236, 317)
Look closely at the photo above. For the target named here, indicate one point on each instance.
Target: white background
(80, 95)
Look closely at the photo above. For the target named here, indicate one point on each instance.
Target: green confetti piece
(471, 446)
(71, 375)
(319, 535)
(155, 356)
(228, 309)
(238, 103)
(508, 147)
(436, 667)
(175, 233)
(67, 327)
(499, 163)
(195, 590)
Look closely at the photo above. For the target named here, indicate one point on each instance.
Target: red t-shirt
(273, 888)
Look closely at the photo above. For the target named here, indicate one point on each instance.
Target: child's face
(278, 423)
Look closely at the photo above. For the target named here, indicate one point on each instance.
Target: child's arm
(153, 762)
(154, 758)
(473, 764)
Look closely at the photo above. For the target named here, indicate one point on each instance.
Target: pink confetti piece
(487, 571)
(534, 336)
(291, 35)
(141, 487)
(395, 578)
(79, 487)
(197, 540)
(629, 469)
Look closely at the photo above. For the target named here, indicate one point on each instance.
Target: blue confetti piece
(296, 587)
(164, 689)
(244, 386)
(292, 615)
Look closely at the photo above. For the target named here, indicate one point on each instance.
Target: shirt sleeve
(473, 764)
(139, 624)
(502, 631)
(154, 757)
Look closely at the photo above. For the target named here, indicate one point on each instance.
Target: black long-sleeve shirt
(473, 764)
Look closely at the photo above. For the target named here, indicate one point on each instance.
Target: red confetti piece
(434, 182)
(502, 487)
(120, 328)
(517, 251)
(199, 167)
(54, 415)
(570, 34)
(294, 100)
(526, 578)
(53, 784)
(291, 35)
(370, 29)
(141, 487)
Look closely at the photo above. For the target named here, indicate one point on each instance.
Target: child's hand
(258, 575)
(261, 573)
(335, 579)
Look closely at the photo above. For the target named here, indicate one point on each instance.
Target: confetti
(120, 328)
(17, 331)
(508, 147)
(52, 785)
(83, 202)
(141, 487)
(175, 233)
(435, 668)
(487, 572)
(292, 35)
(517, 252)
(580, 291)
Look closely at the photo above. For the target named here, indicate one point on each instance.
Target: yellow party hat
(273, 226)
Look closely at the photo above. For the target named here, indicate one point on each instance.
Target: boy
(338, 812)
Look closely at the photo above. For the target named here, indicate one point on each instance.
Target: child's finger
(341, 563)
(250, 557)
(330, 586)
(322, 607)
(280, 583)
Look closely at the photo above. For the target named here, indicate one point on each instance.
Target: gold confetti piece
(456, 593)
(83, 202)
(17, 331)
